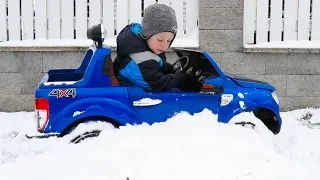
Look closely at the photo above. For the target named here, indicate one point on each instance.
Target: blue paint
(96, 96)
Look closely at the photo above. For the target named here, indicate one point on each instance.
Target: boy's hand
(179, 79)
(170, 68)
(179, 74)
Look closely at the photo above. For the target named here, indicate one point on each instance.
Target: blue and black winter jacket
(137, 65)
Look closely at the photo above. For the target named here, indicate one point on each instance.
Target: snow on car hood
(250, 83)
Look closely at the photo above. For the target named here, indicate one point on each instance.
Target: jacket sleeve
(166, 68)
(156, 79)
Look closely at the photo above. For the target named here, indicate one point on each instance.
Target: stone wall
(295, 75)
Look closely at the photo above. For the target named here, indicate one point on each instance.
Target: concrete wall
(295, 75)
(20, 73)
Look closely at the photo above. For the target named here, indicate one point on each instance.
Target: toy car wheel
(85, 135)
(246, 124)
(248, 120)
(88, 130)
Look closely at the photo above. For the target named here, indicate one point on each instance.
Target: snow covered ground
(186, 147)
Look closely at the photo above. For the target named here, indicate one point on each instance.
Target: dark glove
(169, 68)
(179, 75)
(178, 80)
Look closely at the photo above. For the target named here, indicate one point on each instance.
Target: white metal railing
(279, 23)
(69, 19)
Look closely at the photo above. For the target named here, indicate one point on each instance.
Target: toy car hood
(250, 83)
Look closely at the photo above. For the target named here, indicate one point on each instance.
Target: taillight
(42, 113)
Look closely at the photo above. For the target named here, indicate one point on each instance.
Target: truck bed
(70, 74)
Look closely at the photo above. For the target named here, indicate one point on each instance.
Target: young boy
(141, 59)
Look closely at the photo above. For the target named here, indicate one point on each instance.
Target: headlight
(226, 99)
(275, 97)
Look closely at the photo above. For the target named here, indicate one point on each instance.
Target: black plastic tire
(89, 134)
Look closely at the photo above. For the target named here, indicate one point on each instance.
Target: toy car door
(158, 107)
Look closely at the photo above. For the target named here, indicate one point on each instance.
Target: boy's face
(160, 42)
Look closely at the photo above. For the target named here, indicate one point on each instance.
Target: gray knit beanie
(158, 18)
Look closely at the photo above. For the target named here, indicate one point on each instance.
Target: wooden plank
(81, 19)
(122, 15)
(262, 21)
(290, 19)
(177, 5)
(3, 21)
(147, 3)
(40, 19)
(94, 12)
(167, 2)
(67, 14)
(304, 20)
(276, 20)
(192, 29)
(14, 19)
(109, 17)
(315, 28)
(135, 11)
(53, 8)
(27, 19)
(248, 21)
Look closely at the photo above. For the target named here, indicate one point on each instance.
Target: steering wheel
(180, 64)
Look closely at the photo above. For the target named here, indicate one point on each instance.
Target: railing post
(69, 19)
(3, 20)
(248, 21)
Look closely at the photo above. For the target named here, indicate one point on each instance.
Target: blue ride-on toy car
(66, 98)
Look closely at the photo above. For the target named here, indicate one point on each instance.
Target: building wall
(295, 75)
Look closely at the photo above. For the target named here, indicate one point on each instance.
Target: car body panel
(78, 94)
(168, 104)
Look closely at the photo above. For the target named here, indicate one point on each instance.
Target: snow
(240, 95)
(59, 83)
(77, 113)
(52, 43)
(185, 147)
(81, 42)
(287, 44)
(191, 42)
(242, 105)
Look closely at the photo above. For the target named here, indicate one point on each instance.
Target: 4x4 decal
(63, 93)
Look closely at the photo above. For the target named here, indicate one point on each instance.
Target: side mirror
(97, 33)
(214, 85)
